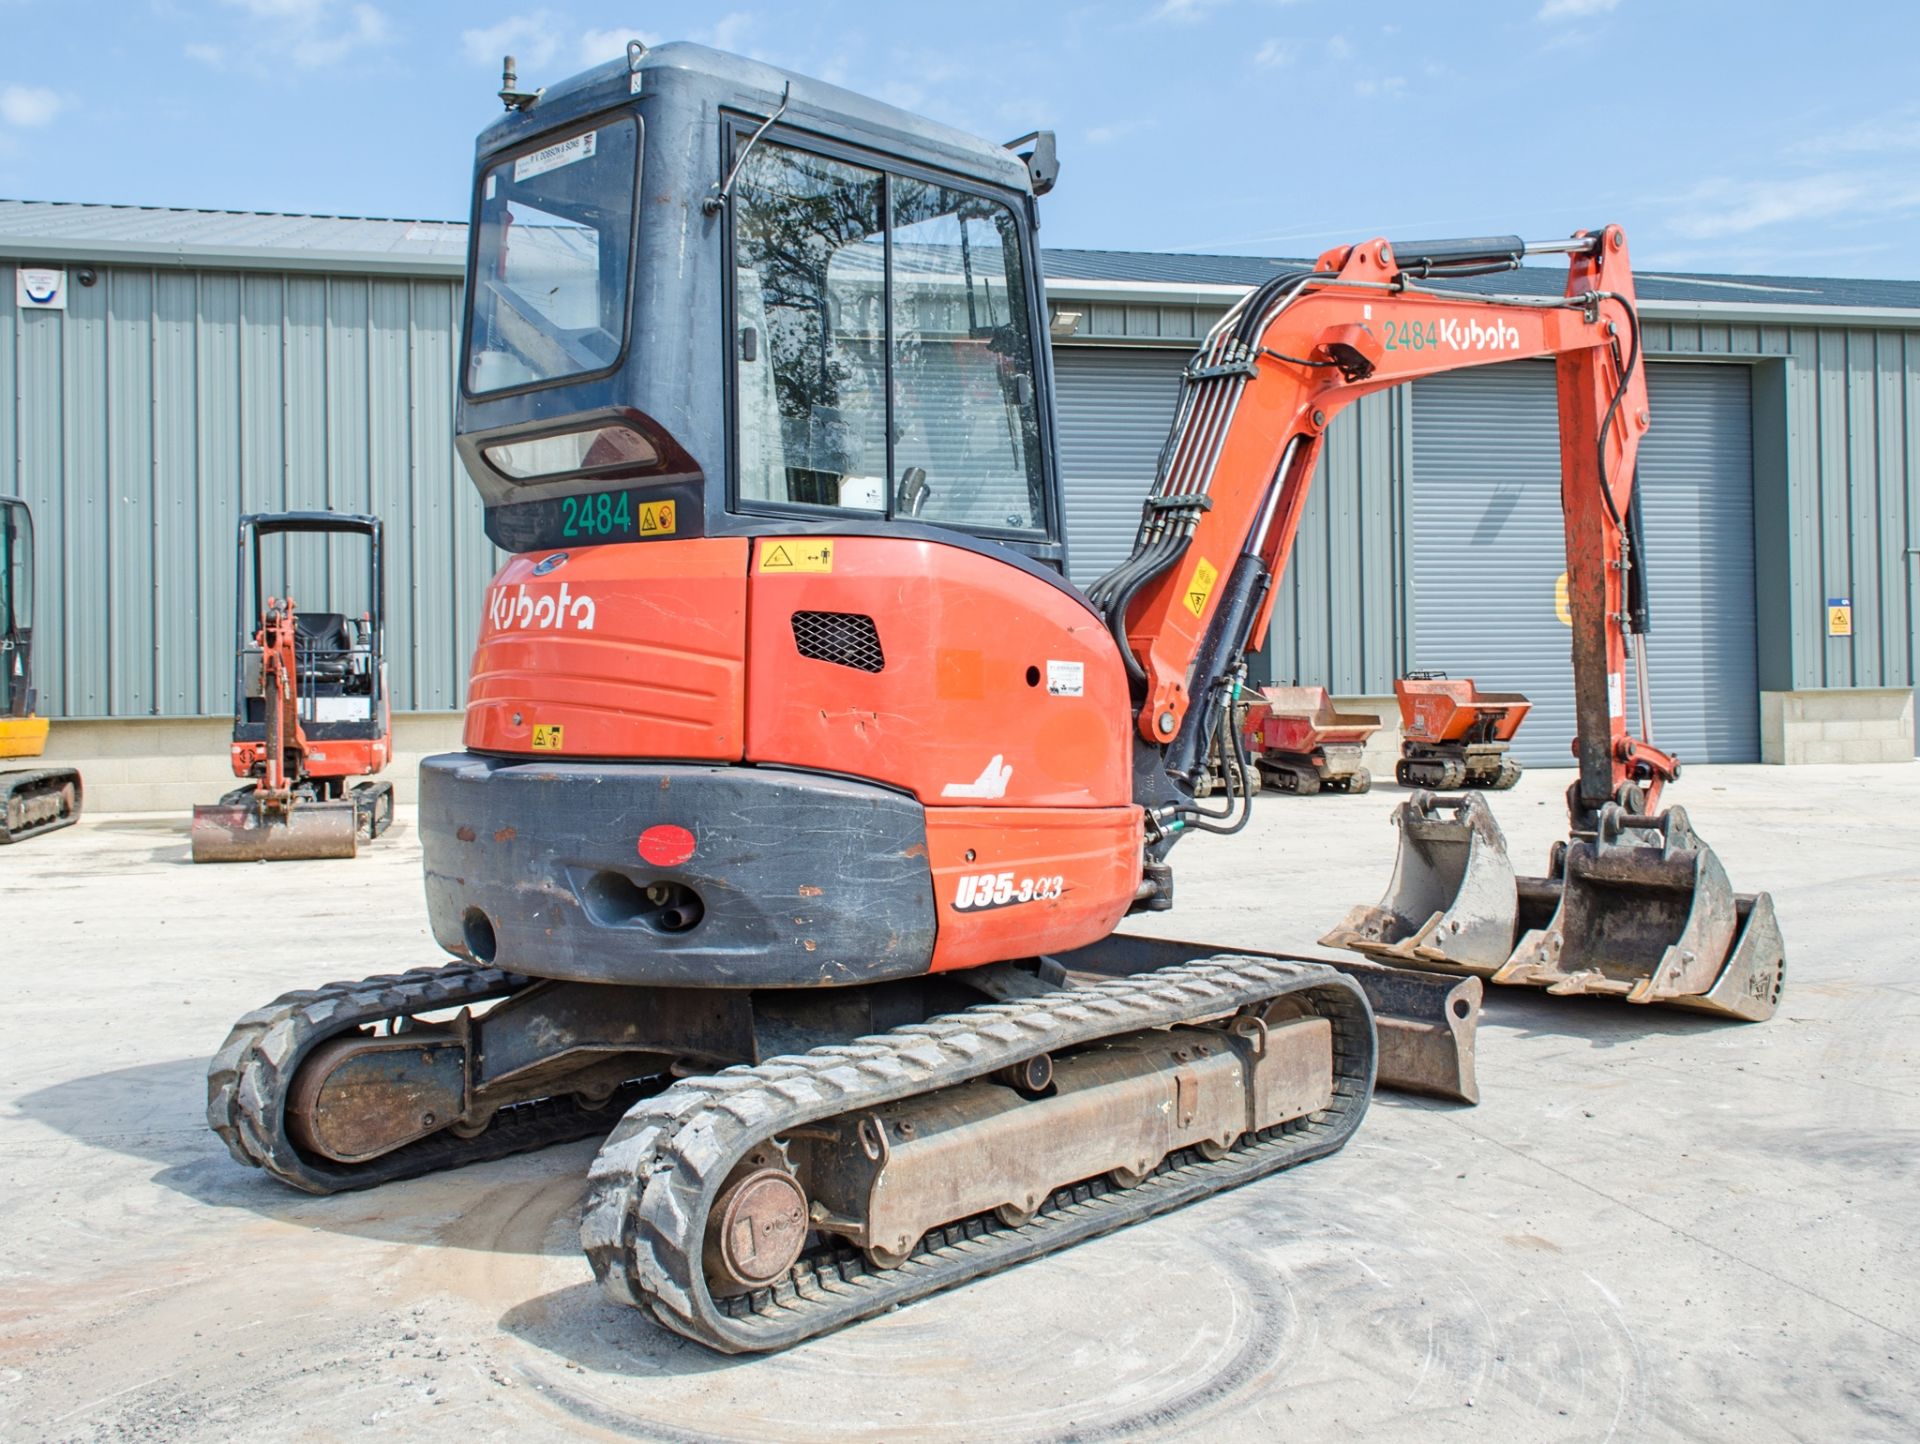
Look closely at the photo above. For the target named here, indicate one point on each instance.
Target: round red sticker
(665, 845)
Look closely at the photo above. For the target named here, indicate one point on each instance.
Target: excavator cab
(40, 799)
(713, 299)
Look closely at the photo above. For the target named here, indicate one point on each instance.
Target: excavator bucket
(234, 830)
(1453, 897)
(1646, 913)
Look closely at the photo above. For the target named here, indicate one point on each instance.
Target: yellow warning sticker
(1200, 586)
(546, 737)
(657, 519)
(796, 554)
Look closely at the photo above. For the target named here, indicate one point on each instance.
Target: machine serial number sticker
(546, 737)
(1066, 679)
(657, 519)
(565, 152)
(1200, 586)
(977, 892)
(796, 555)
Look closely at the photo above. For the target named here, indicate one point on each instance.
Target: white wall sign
(39, 290)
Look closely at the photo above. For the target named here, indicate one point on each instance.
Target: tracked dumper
(802, 794)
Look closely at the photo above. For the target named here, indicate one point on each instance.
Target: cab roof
(736, 82)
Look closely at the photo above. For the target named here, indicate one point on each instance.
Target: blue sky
(1725, 136)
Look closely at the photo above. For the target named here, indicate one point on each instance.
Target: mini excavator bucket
(1640, 910)
(1453, 898)
(240, 830)
(1646, 913)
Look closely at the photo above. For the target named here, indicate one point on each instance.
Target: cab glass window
(923, 408)
(552, 259)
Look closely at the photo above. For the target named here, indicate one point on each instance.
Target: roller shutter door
(1114, 407)
(1488, 549)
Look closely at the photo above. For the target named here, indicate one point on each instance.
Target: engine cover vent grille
(847, 639)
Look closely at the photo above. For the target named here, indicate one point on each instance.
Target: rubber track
(39, 782)
(655, 1180)
(247, 1081)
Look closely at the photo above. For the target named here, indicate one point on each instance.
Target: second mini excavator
(310, 710)
(803, 794)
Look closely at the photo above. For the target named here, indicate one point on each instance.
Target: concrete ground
(1655, 1226)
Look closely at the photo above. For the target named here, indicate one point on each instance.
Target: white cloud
(1573, 9)
(1386, 85)
(367, 29)
(1340, 48)
(531, 39)
(311, 34)
(732, 31)
(1273, 54)
(1723, 207)
(1885, 136)
(599, 46)
(27, 105)
(1108, 134)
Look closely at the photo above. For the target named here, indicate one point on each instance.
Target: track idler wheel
(756, 1231)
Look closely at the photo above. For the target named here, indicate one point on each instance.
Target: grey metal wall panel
(1853, 472)
(1334, 610)
(142, 422)
(1696, 475)
(264, 390)
(1113, 408)
(1488, 549)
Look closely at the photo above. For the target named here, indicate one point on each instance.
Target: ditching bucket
(1453, 898)
(238, 831)
(1646, 913)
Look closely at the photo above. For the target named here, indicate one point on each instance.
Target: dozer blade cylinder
(1646, 913)
(1425, 1022)
(1452, 899)
(241, 832)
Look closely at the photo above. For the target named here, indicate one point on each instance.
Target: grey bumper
(794, 879)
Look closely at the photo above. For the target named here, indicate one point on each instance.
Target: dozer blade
(1452, 900)
(1425, 1022)
(241, 832)
(1646, 913)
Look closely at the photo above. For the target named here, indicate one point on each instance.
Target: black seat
(324, 640)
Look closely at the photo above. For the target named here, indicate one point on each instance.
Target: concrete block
(1839, 730)
(1895, 749)
(1878, 728)
(1816, 750)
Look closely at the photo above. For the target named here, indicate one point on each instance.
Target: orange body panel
(353, 757)
(1443, 709)
(629, 651)
(996, 688)
(1010, 882)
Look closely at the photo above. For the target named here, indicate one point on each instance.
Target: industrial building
(208, 363)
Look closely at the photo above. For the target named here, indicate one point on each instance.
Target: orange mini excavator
(803, 794)
(310, 709)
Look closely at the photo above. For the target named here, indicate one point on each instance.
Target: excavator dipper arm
(1634, 904)
(1253, 416)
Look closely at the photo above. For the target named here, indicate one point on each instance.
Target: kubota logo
(522, 610)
